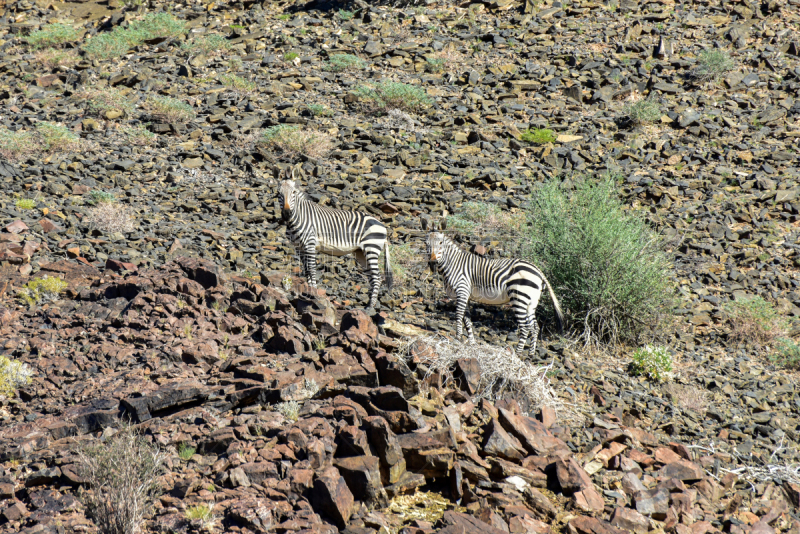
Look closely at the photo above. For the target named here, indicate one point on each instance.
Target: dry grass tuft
(169, 110)
(111, 217)
(688, 397)
(502, 372)
(290, 142)
(754, 320)
(52, 58)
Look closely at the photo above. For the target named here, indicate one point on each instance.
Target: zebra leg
(461, 317)
(311, 264)
(532, 352)
(374, 272)
(468, 324)
(524, 332)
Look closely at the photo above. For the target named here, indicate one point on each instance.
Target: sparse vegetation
(42, 290)
(51, 58)
(237, 84)
(478, 218)
(286, 283)
(539, 136)
(115, 43)
(290, 142)
(288, 57)
(211, 44)
(786, 354)
(754, 320)
(434, 64)
(605, 263)
(642, 112)
(388, 95)
(57, 137)
(289, 409)
(101, 100)
(711, 64)
(139, 135)
(318, 110)
(688, 397)
(25, 204)
(653, 362)
(122, 478)
(168, 109)
(99, 197)
(185, 452)
(202, 512)
(13, 375)
(343, 62)
(343, 14)
(111, 217)
(52, 35)
(18, 145)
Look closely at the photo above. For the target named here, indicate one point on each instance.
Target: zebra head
(437, 249)
(288, 195)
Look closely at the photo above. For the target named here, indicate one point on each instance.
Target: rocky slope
(185, 323)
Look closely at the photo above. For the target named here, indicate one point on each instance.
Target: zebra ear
(443, 224)
(424, 222)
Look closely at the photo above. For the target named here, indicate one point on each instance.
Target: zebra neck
(453, 257)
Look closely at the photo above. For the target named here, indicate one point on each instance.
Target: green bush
(41, 290)
(115, 43)
(57, 137)
(17, 145)
(185, 452)
(642, 112)
(754, 320)
(320, 110)
(539, 136)
(346, 15)
(434, 64)
(288, 57)
(207, 44)
(786, 354)
(653, 362)
(13, 375)
(342, 62)
(52, 35)
(168, 109)
(711, 64)
(474, 218)
(104, 99)
(237, 84)
(290, 142)
(25, 204)
(605, 263)
(100, 197)
(290, 410)
(202, 512)
(388, 95)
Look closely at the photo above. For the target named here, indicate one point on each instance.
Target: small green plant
(755, 320)
(286, 283)
(25, 204)
(52, 35)
(387, 95)
(185, 452)
(115, 43)
(288, 57)
(99, 101)
(13, 375)
(290, 142)
(642, 111)
(100, 197)
(786, 354)
(202, 512)
(211, 44)
(343, 62)
(169, 110)
(237, 84)
(310, 385)
(138, 135)
(111, 217)
(51, 58)
(434, 64)
(538, 136)
(289, 409)
(319, 343)
(41, 290)
(346, 15)
(17, 145)
(284, 16)
(318, 110)
(57, 137)
(479, 217)
(653, 362)
(187, 331)
(711, 64)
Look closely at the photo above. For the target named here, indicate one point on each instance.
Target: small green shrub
(786, 354)
(100, 100)
(202, 512)
(52, 35)
(604, 262)
(539, 136)
(111, 217)
(320, 110)
(168, 109)
(388, 95)
(434, 64)
(13, 375)
(115, 43)
(99, 197)
(478, 217)
(51, 58)
(289, 409)
(287, 283)
(343, 62)
(343, 14)
(25, 204)
(290, 142)
(57, 137)
(711, 64)
(754, 320)
(642, 112)
(139, 135)
(185, 452)
(211, 44)
(288, 57)
(41, 290)
(237, 84)
(653, 362)
(284, 16)
(17, 145)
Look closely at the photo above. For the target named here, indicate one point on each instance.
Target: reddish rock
(331, 497)
(591, 525)
(682, 470)
(17, 227)
(259, 514)
(15, 512)
(527, 525)
(571, 476)
(630, 520)
(466, 524)
(363, 477)
(654, 503)
(666, 456)
(361, 322)
(532, 434)
(588, 500)
(500, 443)
(49, 226)
(641, 458)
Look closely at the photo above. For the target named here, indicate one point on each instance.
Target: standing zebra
(469, 276)
(313, 228)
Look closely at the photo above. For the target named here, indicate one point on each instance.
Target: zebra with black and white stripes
(468, 276)
(313, 229)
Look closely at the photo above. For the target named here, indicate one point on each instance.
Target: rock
(591, 525)
(499, 443)
(630, 520)
(362, 475)
(332, 498)
(682, 470)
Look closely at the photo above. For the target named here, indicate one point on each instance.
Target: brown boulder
(331, 497)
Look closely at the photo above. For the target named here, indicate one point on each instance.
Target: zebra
(468, 276)
(313, 228)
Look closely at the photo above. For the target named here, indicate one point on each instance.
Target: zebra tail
(387, 266)
(556, 305)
